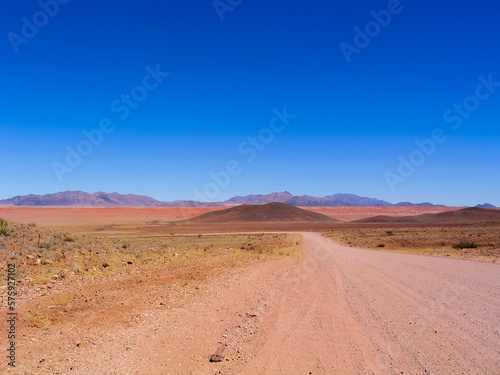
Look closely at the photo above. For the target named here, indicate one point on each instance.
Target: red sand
(354, 213)
(95, 216)
(83, 216)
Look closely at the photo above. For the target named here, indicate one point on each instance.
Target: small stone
(129, 348)
(219, 354)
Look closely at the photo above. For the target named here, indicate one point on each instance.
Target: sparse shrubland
(474, 241)
(44, 255)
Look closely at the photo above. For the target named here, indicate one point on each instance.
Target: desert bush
(15, 255)
(465, 245)
(51, 255)
(5, 227)
(68, 239)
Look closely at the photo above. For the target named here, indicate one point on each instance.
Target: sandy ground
(355, 213)
(96, 216)
(72, 217)
(334, 310)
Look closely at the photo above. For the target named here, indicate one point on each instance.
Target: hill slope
(465, 215)
(270, 212)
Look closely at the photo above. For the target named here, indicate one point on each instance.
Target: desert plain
(112, 290)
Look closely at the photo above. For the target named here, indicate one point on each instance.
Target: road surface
(353, 311)
(333, 310)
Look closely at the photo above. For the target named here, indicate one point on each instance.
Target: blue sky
(360, 83)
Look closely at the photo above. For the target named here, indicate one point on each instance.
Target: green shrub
(5, 227)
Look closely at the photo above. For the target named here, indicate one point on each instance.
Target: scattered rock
(219, 354)
(105, 265)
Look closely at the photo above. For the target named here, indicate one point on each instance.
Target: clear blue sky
(360, 101)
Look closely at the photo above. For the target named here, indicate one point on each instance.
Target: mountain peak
(485, 205)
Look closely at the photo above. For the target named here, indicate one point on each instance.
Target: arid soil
(474, 241)
(355, 213)
(101, 216)
(73, 217)
(332, 310)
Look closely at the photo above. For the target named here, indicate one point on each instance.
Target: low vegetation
(477, 241)
(465, 245)
(44, 256)
(5, 227)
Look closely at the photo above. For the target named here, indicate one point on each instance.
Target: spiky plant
(5, 227)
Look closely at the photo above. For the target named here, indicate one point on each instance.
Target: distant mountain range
(80, 198)
(308, 200)
(485, 205)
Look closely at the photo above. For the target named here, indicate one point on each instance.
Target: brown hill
(462, 216)
(270, 212)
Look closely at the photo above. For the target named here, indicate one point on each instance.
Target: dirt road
(334, 310)
(351, 311)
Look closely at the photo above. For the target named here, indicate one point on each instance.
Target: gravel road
(333, 310)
